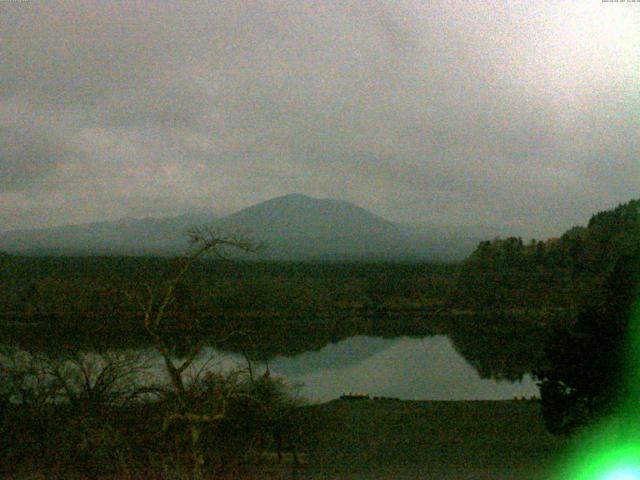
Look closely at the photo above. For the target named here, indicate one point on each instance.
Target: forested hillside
(556, 273)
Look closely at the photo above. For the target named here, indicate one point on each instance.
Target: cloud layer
(523, 114)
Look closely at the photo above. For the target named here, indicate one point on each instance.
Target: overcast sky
(524, 114)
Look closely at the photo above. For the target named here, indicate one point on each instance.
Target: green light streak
(611, 449)
(603, 458)
(624, 473)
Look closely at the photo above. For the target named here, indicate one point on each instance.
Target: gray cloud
(522, 114)
(24, 159)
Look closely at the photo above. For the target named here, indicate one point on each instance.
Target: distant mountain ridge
(299, 226)
(128, 236)
(294, 227)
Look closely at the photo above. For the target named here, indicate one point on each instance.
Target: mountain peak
(301, 200)
(295, 195)
(294, 226)
(291, 197)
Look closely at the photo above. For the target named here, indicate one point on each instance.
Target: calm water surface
(408, 368)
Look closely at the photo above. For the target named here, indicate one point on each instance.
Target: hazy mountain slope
(298, 226)
(125, 236)
(294, 227)
(446, 242)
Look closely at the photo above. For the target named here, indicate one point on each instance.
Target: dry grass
(393, 440)
(449, 440)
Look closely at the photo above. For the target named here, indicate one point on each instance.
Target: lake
(408, 368)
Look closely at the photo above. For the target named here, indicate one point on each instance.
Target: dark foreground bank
(424, 439)
(386, 439)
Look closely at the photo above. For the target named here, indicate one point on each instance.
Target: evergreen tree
(586, 374)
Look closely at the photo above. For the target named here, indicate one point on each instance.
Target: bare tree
(90, 381)
(154, 303)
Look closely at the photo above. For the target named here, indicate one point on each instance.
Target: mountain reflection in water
(482, 356)
(408, 368)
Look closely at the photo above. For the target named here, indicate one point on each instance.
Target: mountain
(298, 226)
(294, 227)
(127, 236)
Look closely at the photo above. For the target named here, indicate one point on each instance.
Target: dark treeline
(556, 273)
(93, 286)
(259, 309)
(590, 273)
(592, 364)
(281, 307)
(498, 345)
